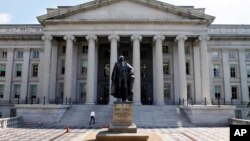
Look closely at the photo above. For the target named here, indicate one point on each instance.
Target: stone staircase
(143, 116)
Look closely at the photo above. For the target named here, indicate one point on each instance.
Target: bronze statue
(122, 80)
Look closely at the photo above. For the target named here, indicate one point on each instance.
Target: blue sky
(26, 11)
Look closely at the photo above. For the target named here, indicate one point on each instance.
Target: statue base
(122, 128)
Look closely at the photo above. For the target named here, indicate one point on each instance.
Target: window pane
(166, 68)
(187, 68)
(1, 90)
(248, 71)
(217, 92)
(165, 49)
(234, 92)
(34, 70)
(233, 70)
(18, 70)
(216, 71)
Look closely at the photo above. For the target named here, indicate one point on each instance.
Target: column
(182, 67)
(113, 58)
(176, 73)
(158, 39)
(137, 66)
(205, 88)
(52, 96)
(90, 98)
(46, 66)
(226, 75)
(25, 74)
(197, 73)
(243, 76)
(68, 76)
(9, 67)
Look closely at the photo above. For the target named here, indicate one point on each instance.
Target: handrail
(10, 122)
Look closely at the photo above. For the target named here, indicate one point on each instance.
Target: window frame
(216, 71)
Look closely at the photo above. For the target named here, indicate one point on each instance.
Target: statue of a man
(122, 80)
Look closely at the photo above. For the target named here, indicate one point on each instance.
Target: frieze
(21, 29)
(229, 30)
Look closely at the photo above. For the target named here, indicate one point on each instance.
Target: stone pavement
(84, 134)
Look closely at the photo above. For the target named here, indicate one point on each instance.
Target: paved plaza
(88, 134)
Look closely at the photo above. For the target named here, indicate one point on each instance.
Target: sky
(26, 11)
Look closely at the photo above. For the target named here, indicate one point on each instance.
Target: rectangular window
(233, 71)
(167, 91)
(4, 54)
(187, 68)
(247, 54)
(249, 92)
(216, 71)
(248, 71)
(143, 70)
(84, 49)
(215, 55)
(189, 91)
(62, 66)
(232, 54)
(1, 90)
(63, 49)
(2, 70)
(166, 68)
(165, 49)
(187, 49)
(34, 70)
(17, 90)
(19, 54)
(33, 91)
(217, 92)
(84, 66)
(83, 88)
(106, 70)
(18, 70)
(234, 92)
(35, 54)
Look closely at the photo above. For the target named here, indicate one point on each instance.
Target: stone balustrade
(10, 122)
(235, 121)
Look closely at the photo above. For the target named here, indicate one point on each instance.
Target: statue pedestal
(122, 128)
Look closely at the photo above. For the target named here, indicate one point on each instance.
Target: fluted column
(54, 52)
(113, 58)
(90, 98)
(158, 39)
(205, 88)
(9, 67)
(68, 76)
(46, 66)
(137, 66)
(226, 75)
(243, 76)
(197, 72)
(182, 67)
(25, 73)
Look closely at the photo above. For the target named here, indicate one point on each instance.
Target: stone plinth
(40, 114)
(122, 114)
(123, 129)
(210, 115)
(106, 136)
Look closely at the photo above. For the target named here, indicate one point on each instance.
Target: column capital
(114, 36)
(69, 37)
(158, 37)
(10, 49)
(136, 37)
(91, 36)
(181, 37)
(47, 37)
(204, 37)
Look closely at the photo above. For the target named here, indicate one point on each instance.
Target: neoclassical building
(177, 53)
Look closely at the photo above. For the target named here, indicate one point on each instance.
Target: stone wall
(5, 111)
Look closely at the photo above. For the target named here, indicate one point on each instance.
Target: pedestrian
(92, 118)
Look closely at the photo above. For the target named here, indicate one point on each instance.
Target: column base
(137, 103)
(159, 103)
(90, 103)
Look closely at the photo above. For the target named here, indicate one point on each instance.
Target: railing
(10, 122)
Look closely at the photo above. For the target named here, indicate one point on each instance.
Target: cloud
(5, 18)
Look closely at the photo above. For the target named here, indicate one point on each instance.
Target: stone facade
(176, 52)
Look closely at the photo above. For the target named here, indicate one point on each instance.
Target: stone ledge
(235, 121)
(106, 136)
(40, 106)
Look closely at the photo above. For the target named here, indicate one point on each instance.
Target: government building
(178, 55)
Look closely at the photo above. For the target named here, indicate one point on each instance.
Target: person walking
(92, 118)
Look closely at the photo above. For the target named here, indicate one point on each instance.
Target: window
(217, 91)
(187, 68)
(187, 49)
(232, 54)
(84, 49)
(189, 91)
(18, 70)
(33, 91)
(215, 55)
(4, 54)
(166, 68)
(17, 90)
(19, 54)
(84, 66)
(234, 92)
(167, 91)
(249, 92)
(165, 49)
(106, 70)
(2, 70)
(35, 54)
(248, 71)
(63, 49)
(216, 71)
(143, 70)
(248, 54)
(62, 66)
(232, 71)
(83, 89)
(34, 70)
(1, 90)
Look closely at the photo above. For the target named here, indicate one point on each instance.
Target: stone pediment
(124, 10)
